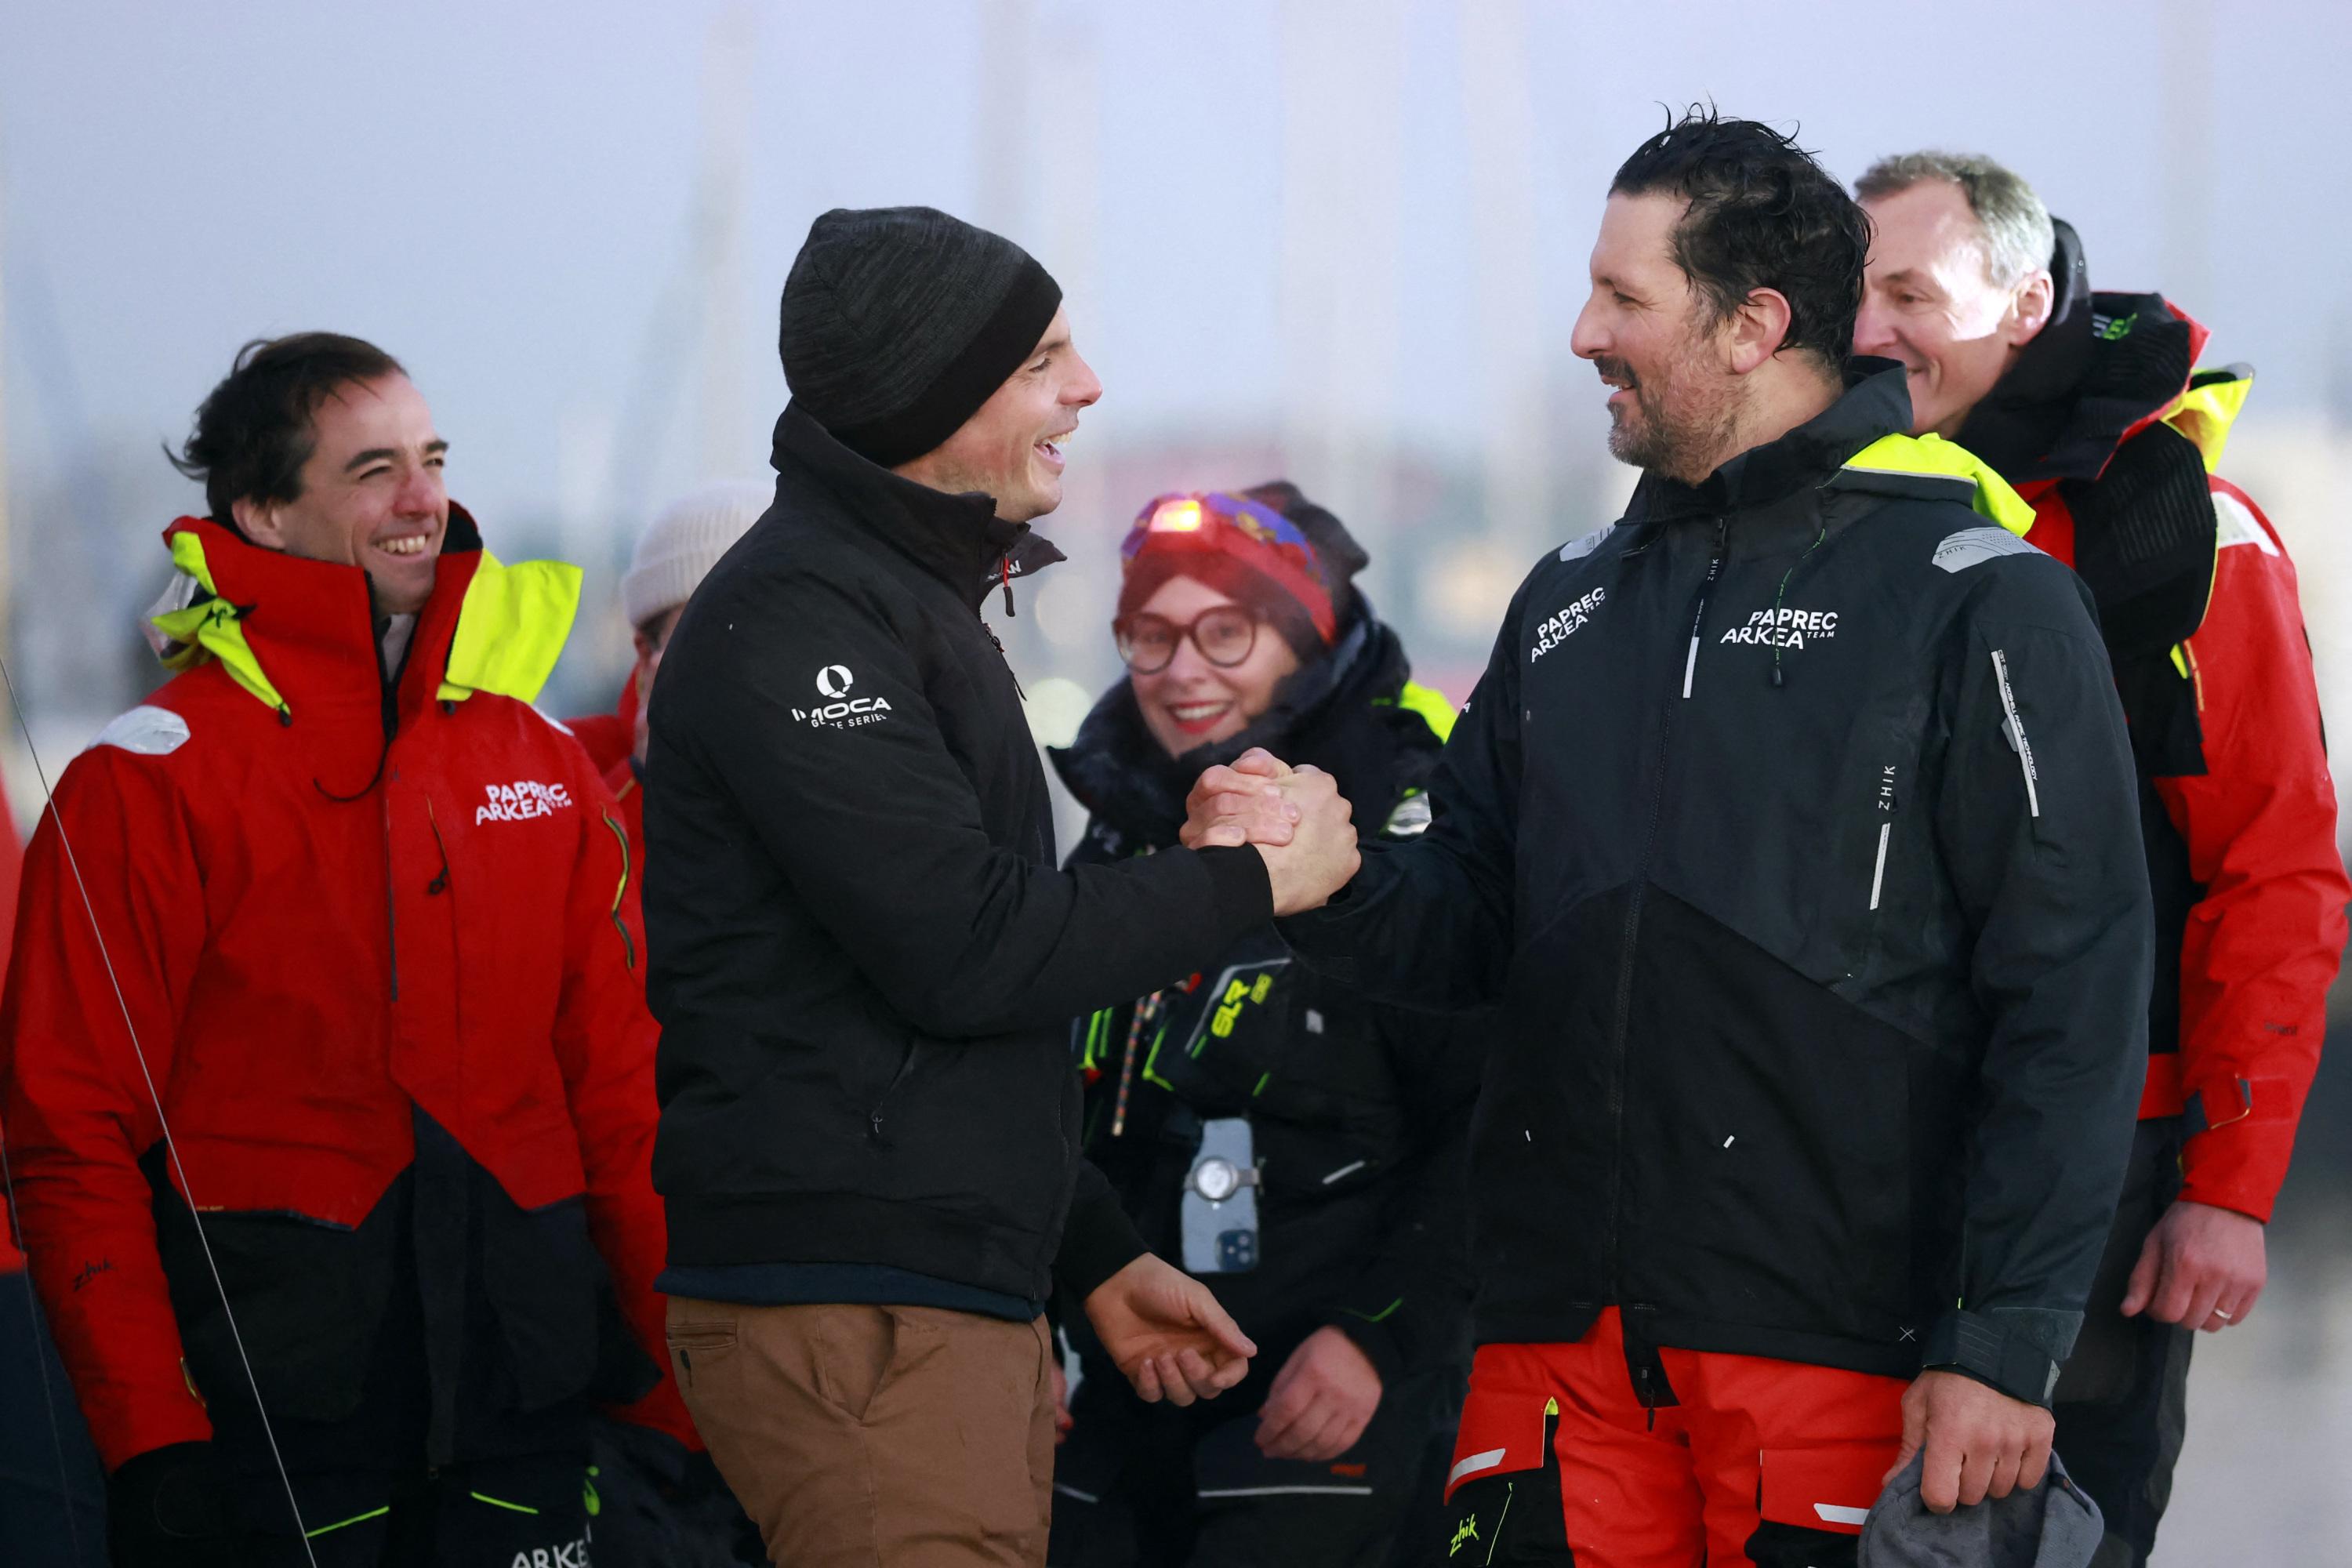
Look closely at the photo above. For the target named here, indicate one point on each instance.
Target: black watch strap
(1966, 1342)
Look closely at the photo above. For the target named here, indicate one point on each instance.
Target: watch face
(1215, 1179)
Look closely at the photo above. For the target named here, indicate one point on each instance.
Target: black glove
(163, 1509)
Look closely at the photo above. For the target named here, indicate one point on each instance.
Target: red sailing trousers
(1630, 1457)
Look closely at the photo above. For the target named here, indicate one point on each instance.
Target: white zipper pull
(1699, 618)
(2014, 733)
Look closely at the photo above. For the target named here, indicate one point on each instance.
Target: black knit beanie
(898, 322)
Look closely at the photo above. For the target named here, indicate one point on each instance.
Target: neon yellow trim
(1151, 1060)
(2179, 663)
(511, 628)
(1932, 457)
(2204, 413)
(498, 1502)
(355, 1519)
(209, 627)
(1431, 704)
(1380, 1317)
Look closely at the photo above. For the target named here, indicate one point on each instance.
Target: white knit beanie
(686, 541)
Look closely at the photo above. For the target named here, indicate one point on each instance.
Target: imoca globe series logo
(840, 711)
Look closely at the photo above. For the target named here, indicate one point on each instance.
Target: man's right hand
(1296, 817)
(1979, 1442)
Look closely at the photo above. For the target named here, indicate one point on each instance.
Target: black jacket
(1793, 825)
(1360, 1113)
(864, 958)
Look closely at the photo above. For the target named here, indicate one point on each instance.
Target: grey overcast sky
(501, 193)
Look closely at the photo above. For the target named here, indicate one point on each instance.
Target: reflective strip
(1283, 1491)
(2236, 524)
(1578, 549)
(1877, 880)
(1973, 546)
(1474, 1464)
(355, 1519)
(147, 730)
(1070, 1491)
(1690, 665)
(1839, 1513)
(2016, 731)
(1347, 1169)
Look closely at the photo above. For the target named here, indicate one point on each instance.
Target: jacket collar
(293, 632)
(2094, 378)
(1876, 402)
(958, 539)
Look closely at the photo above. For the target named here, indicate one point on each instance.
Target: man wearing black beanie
(864, 958)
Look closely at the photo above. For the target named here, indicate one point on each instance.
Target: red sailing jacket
(2246, 789)
(318, 931)
(609, 738)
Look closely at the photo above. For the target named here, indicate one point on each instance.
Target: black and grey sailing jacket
(1793, 824)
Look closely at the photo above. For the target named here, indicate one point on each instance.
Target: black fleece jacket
(864, 957)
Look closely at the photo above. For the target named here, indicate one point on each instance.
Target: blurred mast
(1003, 184)
(2188, 107)
(1342, 66)
(8, 574)
(1499, 107)
(728, 55)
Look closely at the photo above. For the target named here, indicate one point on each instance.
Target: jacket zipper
(1005, 579)
(2017, 741)
(874, 1117)
(620, 890)
(1624, 998)
(1698, 611)
(390, 895)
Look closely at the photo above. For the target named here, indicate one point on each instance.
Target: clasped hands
(1296, 817)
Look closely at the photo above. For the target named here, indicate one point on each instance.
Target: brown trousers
(909, 1436)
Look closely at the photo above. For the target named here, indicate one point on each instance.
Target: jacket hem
(848, 1227)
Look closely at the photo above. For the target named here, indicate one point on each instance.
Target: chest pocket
(1226, 1041)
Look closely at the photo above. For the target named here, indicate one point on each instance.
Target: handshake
(1296, 817)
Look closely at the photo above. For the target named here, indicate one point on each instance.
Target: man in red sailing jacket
(2089, 404)
(324, 1058)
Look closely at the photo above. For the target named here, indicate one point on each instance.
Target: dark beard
(1686, 450)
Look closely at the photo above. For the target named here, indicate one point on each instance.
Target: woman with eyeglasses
(1300, 1150)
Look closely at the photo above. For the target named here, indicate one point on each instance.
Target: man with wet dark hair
(325, 1061)
(1792, 828)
